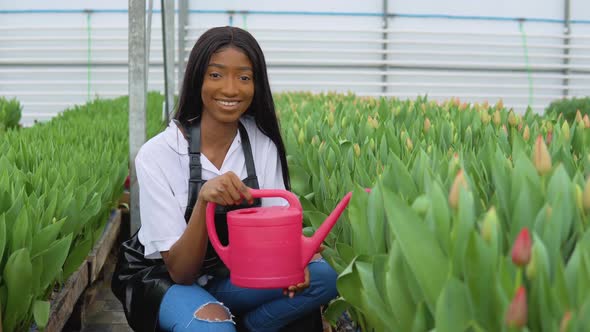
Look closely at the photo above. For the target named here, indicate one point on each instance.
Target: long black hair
(262, 108)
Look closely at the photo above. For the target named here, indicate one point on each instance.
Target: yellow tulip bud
(485, 117)
(409, 144)
(565, 129)
(500, 104)
(331, 119)
(526, 135)
(301, 137)
(489, 227)
(357, 150)
(512, 121)
(541, 157)
(497, 118)
(579, 198)
(586, 195)
(586, 121)
(426, 125)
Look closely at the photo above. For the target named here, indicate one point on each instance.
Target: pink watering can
(266, 246)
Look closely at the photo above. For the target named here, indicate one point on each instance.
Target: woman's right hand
(225, 189)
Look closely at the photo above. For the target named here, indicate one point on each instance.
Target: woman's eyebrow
(220, 66)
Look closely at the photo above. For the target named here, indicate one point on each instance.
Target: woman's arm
(185, 257)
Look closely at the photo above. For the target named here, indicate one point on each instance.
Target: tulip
(301, 137)
(586, 121)
(565, 130)
(331, 119)
(497, 118)
(357, 150)
(549, 137)
(489, 227)
(426, 125)
(516, 315)
(126, 185)
(526, 134)
(512, 121)
(578, 115)
(485, 117)
(565, 321)
(458, 183)
(521, 250)
(541, 157)
(500, 104)
(409, 144)
(586, 195)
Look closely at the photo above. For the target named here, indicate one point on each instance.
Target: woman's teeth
(227, 103)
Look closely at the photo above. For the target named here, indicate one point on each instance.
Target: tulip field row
(58, 183)
(477, 219)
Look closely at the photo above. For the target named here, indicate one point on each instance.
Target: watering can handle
(287, 195)
(222, 251)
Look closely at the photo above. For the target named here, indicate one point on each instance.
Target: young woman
(226, 112)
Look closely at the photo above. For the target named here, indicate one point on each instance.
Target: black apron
(140, 283)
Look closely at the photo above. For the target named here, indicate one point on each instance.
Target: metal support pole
(566, 49)
(385, 36)
(182, 22)
(137, 99)
(168, 51)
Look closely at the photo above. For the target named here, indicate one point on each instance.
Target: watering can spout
(311, 245)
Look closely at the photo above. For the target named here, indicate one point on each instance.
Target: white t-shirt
(162, 166)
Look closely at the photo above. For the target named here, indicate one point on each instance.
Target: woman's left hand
(292, 290)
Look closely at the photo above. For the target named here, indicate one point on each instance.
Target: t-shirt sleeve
(273, 175)
(162, 221)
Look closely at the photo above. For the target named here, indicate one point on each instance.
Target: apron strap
(195, 181)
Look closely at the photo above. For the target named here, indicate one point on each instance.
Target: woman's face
(228, 85)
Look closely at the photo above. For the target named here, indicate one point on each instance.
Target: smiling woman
(224, 140)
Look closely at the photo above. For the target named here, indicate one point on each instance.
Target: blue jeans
(263, 310)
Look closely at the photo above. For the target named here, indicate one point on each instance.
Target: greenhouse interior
(331, 166)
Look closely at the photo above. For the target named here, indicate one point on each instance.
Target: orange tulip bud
(541, 157)
(521, 250)
(579, 116)
(586, 120)
(456, 188)
(516, 315)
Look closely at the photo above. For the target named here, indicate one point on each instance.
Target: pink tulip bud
(521, 250)
(516, 316)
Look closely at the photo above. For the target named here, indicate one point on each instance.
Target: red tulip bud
(127, 181)
(521, 250)
(516, 316)
(565, 321)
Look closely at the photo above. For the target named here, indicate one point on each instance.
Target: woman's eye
(245, 78)
(214, 75)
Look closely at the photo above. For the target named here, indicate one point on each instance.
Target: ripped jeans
(263, 310)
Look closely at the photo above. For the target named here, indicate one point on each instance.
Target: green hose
(526, 61)
(89, 30)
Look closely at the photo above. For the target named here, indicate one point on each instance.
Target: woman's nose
(230, 87)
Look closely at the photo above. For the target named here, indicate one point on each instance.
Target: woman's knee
(213, 316)
(323, 278)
